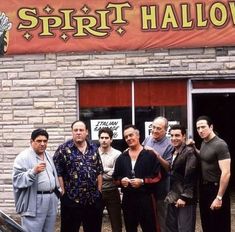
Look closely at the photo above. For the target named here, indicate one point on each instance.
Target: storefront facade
(111, 65)
(52, 90)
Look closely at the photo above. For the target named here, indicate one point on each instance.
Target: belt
(46, 192)
(204, 182)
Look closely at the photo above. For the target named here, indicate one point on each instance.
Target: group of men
(158, 180)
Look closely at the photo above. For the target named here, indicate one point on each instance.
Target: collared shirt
(79, 171)
(46, 179)
(108, 161)
(164, 148)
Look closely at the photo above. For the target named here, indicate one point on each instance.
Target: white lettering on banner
(114, 124)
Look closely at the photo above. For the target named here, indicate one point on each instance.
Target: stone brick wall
(40, 90)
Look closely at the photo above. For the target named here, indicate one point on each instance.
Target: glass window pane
(105, 100)
(147, 114)
(124, 113)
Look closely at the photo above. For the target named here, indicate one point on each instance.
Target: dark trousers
(181, 219)
(139, 209)
(214, 220)
(112, 201)
(73, 215)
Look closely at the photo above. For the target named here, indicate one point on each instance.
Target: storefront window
(154, 98)
(105, 100)
(113, 100)
(147, 114)
(123, 113)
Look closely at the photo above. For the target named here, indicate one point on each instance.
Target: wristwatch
(219, 198)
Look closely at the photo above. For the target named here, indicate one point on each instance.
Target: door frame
(192, 91)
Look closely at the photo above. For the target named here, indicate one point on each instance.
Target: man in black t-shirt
(215, 162)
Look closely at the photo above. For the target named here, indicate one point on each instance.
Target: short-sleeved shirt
(79, 171)
(165, 149)
(162, 146)
(210, 153)
(108, 161)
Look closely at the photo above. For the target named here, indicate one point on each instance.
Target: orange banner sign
(32, 26)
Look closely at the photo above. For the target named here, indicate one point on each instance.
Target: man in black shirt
(215, 174)
(136, 172)
(182, 202)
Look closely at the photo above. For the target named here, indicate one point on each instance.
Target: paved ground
(106, 224)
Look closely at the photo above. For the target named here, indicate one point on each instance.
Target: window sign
(148, 128)
(170, 124)
(114, 124)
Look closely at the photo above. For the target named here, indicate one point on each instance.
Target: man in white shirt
(110, 192)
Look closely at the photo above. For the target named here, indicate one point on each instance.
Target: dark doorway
(220, 107)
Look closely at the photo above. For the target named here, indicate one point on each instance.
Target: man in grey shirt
(158, 143)
(215, 160)
(34, 183)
